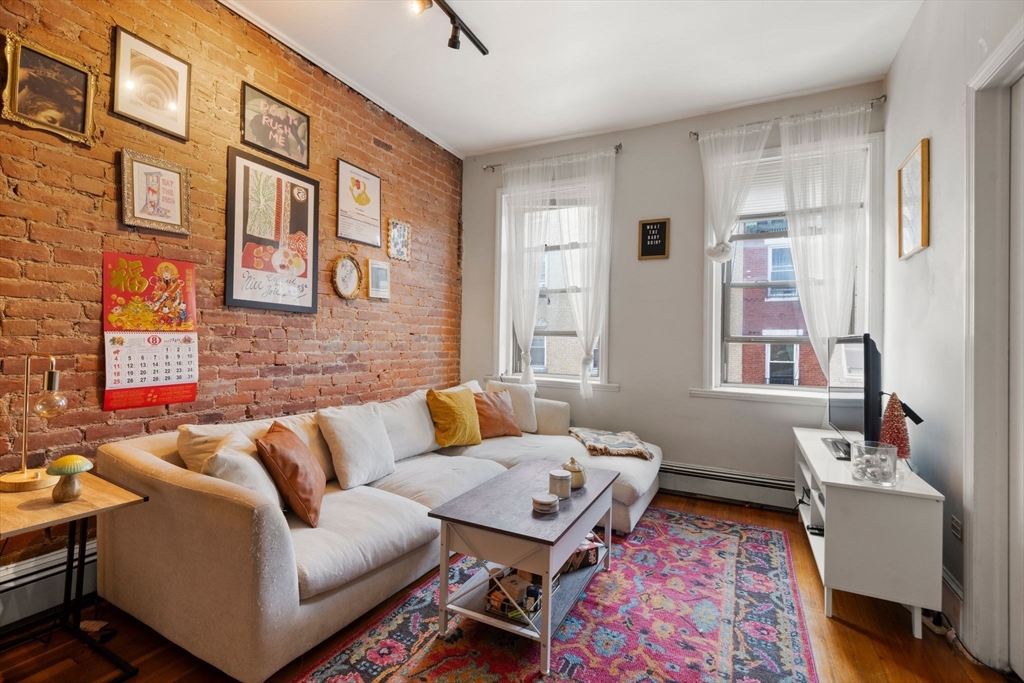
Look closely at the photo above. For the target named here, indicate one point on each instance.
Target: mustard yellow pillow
(455, 419)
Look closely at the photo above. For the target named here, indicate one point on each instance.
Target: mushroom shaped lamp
(68, 468)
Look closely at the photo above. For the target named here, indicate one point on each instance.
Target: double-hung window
(555, 352)
(761, 333)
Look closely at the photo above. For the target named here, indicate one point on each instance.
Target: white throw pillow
(407, 421)
(236, 460)
(359, 443)
(522, 396)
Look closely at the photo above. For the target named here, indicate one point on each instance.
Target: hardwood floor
(866, 640)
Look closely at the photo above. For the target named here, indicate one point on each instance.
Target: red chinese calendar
(149, 329)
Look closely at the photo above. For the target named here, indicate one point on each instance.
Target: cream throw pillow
(522, 403)
(359, 443)
(235, 460)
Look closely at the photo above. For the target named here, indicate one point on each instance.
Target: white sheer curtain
(528, 188)
(585, 226)
(824, 168)
(730, 157)
(569, 197)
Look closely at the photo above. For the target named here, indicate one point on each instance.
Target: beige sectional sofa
(230, 577)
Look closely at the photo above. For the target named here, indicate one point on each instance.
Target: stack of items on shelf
(524, 589)
(586, 555)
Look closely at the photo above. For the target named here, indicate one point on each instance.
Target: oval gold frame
(359, 277)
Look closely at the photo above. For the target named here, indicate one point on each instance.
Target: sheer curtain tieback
(730, 157)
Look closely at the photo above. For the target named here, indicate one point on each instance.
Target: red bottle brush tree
(894, 427)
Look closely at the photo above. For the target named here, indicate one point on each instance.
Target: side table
(25, 511)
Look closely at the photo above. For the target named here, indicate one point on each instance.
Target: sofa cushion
(359, 443)
(454, 415)
(407, 421)
(522, 403)
(196, 443)
(360, 530)
(237, 461)
(294, 470)
(635, 475)
(494, 409)
(433, 479)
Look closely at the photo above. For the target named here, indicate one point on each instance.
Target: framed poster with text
(358, 205)
(273, 219)
(149, 331)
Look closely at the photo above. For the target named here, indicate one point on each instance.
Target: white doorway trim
(985, 621)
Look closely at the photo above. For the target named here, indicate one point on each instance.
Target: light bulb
(420, 6)
(172, 106)
(50, 404)
(130, 85)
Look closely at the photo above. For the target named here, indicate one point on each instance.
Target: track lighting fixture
(458, 26)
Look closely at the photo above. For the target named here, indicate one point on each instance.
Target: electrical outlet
(956, 526)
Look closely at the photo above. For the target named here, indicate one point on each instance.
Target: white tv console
(885, 542)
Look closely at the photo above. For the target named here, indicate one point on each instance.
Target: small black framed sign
(653, 239)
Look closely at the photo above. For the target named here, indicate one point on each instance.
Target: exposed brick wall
(59, 210)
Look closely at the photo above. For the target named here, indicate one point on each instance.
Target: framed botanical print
(270, 125)
(399, 238)
(151, 86)
(358, 205)
(47, 91)
(155, 193)
(380, 279)
(272, 229)
(912, 194)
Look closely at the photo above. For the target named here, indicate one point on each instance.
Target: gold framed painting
(47, 91)
(912, 198)
(155, 194)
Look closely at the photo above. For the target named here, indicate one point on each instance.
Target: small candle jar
(560, 483)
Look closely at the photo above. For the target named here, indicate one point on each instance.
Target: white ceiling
(565, 68)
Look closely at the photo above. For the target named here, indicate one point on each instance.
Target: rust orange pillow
(295, 471)
(494, 409)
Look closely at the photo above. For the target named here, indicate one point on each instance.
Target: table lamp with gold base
(50, 403)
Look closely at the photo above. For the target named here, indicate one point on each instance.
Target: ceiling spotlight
(453, 42)
(420, 6)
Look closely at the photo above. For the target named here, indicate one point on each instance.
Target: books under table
(522, 596)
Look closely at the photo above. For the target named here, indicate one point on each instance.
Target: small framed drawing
(47, 91)
(358, 205)
(380, 280)
(151, 86)
(399, 238)
(912, 193)
(272, 226)
(270, 125)
(653, 239)
(347, 277)
(154, 193)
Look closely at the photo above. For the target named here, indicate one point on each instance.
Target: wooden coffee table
(495, 523)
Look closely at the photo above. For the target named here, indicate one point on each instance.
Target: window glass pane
(762, 260)
(538, 353)
(564, 356)
(752, 364)
(754, 312)
(782, 353)
(554, 312)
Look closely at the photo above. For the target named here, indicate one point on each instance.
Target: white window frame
(768, 356)
(774, 245)
(869, 308)
(542, 369)
(504, 355)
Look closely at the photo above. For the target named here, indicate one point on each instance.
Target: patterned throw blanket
(600, 442)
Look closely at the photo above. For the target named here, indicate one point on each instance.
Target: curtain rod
(694, 135)
(493, 167)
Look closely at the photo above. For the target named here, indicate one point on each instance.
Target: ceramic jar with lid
(579, 475)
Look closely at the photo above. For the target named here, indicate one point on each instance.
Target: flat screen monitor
(854, 388)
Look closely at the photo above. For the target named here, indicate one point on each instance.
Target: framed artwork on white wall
(912, 193)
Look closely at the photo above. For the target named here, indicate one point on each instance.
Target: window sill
(804, 397)
(556, 383)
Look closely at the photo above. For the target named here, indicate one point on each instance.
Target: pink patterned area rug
(688, 598)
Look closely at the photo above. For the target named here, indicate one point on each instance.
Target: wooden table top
(24, 511)
(505, 503)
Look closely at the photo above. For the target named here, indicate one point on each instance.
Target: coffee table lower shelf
(473, 603)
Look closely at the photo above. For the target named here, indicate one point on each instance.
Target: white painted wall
(656, 341)
(924, 295)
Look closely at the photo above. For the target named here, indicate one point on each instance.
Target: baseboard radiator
(728, 476)
(37, 584)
